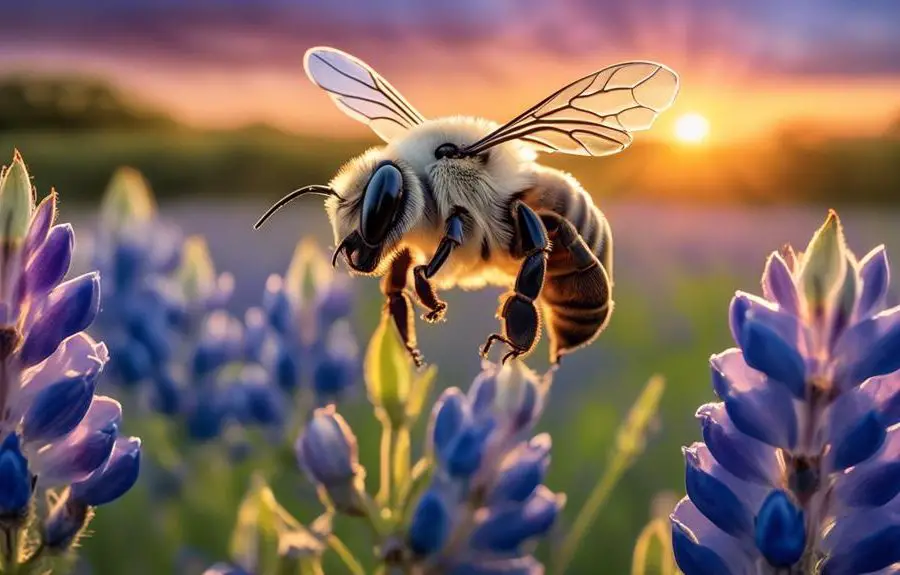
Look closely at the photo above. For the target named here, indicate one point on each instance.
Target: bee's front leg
(425, 290)
(399, 305)
(518, 314)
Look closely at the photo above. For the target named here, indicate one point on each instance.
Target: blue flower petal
(58, 409)
(15, 479)
(506, 527)
(756, 405)
(448, 417)
(430, 525)
(853, 429)
(868, 349)
(524, 471)
(874, 482)
(41, 220)
(51, 262)
(81, 452)
(713, 496)
(780, 530)
(778, 284)
(462, 457)
(701, 548)
(115, 478)
(744, 457)
(877, 550)
(71, 307)
(860, 442)
(875, 275)
(884, 395)
(768, 352)
(327, 448)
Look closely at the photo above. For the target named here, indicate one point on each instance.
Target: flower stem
(387, 444)
(10, 550)
(346, 555)
(401, 463)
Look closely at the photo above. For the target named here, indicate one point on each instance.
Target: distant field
(181, 162)
(677, 268)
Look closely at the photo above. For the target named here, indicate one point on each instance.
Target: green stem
(346, 555)
(10, 550)
(387, 444)
(401, 463)
(589, 511)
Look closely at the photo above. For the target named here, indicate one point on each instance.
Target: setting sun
(691, 128)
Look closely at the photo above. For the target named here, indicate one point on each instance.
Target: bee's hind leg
(520, 319)
(425, 290)
(399, 305)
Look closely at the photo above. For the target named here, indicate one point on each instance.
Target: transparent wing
(592, 116)
(360, 92)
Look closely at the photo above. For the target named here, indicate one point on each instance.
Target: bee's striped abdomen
(577, 290)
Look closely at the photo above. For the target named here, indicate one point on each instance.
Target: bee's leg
(400, 305)
(425, 290)
(519, 315)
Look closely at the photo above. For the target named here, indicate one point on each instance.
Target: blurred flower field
(224, 340)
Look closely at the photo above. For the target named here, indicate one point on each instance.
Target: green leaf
(127, 199)
(653, 550)
(388, 373)
(16, 200)
(419, 392)
(632, 434)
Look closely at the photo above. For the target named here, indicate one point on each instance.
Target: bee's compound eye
(446, 151)
(380, 202)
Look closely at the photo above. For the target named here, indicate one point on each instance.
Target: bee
(462, 202)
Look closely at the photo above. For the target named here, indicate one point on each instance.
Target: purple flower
(799, 469)
(54, 431)
(301, 334)
(328, 452)
(486, 500)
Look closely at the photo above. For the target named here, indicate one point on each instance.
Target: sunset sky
(747, 66)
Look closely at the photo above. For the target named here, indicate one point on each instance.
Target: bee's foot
(512, 355)
(486, 348)
(417, 357)
(437, 314)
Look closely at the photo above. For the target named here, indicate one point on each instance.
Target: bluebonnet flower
(215, 386)
(328, 452)
(54, 431)
(301, 333)
(486, 502)
(799, 470)
(136, 253)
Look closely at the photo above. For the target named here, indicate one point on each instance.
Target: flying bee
(461, 201)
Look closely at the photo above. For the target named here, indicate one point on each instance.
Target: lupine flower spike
(799, 469)
(55, 433)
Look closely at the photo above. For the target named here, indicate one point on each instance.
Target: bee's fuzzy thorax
(482, 185)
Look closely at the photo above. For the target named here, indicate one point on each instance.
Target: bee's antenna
(315, 189)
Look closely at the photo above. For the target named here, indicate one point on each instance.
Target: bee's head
(378, 200)
(371, 203)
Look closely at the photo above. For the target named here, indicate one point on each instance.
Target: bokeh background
(786, 109)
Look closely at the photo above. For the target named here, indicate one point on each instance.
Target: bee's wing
(360, 92)
(592, 116)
